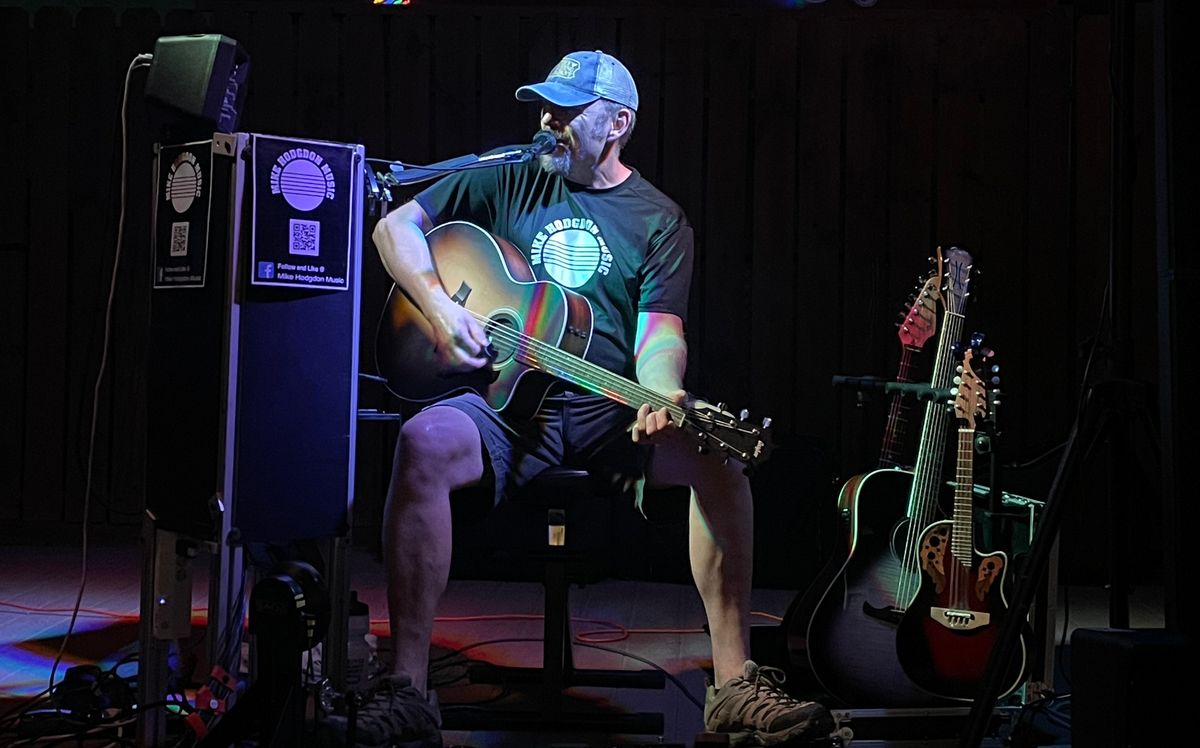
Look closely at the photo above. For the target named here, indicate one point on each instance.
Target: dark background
(823, 152)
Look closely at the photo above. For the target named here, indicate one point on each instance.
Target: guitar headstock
(735, 437)
(956, 278)
(970, 386)
(920, 322)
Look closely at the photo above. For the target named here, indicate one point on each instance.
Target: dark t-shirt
(627, 248)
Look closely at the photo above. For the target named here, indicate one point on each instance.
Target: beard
(556, 163)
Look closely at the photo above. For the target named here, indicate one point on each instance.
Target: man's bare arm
(400, 239)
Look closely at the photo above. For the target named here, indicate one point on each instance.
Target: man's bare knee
(440, 443)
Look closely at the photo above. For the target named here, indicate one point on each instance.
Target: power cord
(142, 60)
(89, 703)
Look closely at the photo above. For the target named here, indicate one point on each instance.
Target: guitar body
(491, 278)
(947, 635)
(851, 637)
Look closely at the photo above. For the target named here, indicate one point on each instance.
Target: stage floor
(628, 623)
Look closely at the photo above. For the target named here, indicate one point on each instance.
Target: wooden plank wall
(822, 154)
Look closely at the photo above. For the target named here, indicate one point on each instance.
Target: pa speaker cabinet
(255, 320)
(189, 310)
(1130, 687)
(199, 81)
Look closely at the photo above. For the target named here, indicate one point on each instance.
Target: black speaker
(1130, 687)
(200, 79)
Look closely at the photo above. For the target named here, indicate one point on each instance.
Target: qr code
(179, 237)
(305, 237)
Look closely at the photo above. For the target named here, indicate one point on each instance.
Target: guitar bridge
(960, 620)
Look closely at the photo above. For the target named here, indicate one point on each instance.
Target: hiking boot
(754, 711)
(396, 716)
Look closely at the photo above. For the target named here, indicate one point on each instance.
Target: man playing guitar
(593, 225)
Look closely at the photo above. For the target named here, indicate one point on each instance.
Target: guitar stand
(1108, 411)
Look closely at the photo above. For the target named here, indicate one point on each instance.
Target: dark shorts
(570, 429)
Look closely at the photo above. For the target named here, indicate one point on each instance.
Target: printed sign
(182, 204)
(301, 204)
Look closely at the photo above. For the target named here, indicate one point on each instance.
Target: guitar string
(930, 479)
(963, 543)
(925, 480)
(583, 372)
(545, 354)
(909, 567)
(897, 423)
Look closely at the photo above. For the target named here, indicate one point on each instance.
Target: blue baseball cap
(581, 78)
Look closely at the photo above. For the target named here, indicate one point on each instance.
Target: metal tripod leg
(1092, 420)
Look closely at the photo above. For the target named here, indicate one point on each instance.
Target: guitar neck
(962, 541)
(897, 422)
(928, 467)
(552, 360)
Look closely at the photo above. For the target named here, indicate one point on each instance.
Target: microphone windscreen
(543, 142)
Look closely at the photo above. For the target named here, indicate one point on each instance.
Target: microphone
(543, 142)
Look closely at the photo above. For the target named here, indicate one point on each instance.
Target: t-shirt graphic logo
(572, 251)
(567, 68)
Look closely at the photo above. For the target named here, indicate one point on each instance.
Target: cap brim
(555, 93)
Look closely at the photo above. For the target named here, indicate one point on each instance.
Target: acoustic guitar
(947, 634)
(539, 333)
(918, 326)
(851, 636)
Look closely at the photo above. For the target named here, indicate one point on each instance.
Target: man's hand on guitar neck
(651, 423)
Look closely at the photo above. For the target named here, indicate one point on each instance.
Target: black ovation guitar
(949, 631)
(919, 325)
(851, 637)
(539, 332)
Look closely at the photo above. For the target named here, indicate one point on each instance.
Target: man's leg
(437, 452)
(746, 701)
(720, 543)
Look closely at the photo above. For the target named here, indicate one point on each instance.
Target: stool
(554, 490)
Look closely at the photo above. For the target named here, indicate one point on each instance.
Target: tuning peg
(954, 390)
(721, 406)
(701, 449)
(766, 423)
(995, 381)
(743, 414)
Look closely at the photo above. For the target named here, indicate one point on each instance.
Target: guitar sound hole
(503, 328)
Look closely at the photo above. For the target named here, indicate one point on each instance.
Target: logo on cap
(566, 68)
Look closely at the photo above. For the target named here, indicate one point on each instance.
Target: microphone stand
(915, 389)
(399, 174)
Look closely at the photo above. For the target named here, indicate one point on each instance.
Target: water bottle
(358, 650)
